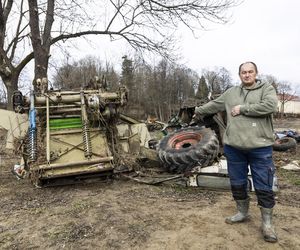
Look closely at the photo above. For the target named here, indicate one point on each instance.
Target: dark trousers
(262, 171)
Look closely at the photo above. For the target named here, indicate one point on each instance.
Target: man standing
(248, 141)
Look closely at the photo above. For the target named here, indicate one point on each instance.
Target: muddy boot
(267, 227)
(242, 214)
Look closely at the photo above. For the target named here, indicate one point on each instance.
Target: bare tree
(218, 80)
(270, 79)
(283, 89)
(202, 90)
(225, 80)
(80, 73)
(13, 39)
(142, 24)
(168, 86)
(145, 25)
(285, 94)
(41, 40)
(211, 78)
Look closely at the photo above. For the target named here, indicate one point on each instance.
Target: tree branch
(118, 8)
(48, 23)
(3, 19)
(34, 20)
(24, 62)
(7, 10)
(17, 34)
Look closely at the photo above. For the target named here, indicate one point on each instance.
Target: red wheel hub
(184, 140)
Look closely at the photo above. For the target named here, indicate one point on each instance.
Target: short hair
(255, 67)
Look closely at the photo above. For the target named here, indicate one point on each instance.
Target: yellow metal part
(75, 169)
(67, 156)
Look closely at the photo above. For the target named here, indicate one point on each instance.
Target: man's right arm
(211, 107)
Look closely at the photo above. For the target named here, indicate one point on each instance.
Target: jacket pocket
(243, 132)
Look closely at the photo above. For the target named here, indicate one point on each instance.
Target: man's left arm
(266, 106)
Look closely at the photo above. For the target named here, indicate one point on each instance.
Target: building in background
(289, 104)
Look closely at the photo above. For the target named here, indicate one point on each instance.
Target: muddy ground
(123, 214)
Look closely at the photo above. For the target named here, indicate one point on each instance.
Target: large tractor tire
(186, 148)
(284, 144)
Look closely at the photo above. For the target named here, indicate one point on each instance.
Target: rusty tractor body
(72, 135)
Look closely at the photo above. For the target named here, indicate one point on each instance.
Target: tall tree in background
(162, 87)
(283, 89)
(218, 80)
(78, 74)
(211, 78)
(169, 85)
(270, 79)
(285, 94)
(225, 80)
(184, 83)
(127, 78)
(202, 90)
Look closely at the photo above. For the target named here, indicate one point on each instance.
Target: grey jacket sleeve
(211, 107)
(266, 106)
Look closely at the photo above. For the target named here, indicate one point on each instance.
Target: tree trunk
(41, 66)
(11, 86)
(282, 110)
(160, 113)
(41, 42)
(40, 81)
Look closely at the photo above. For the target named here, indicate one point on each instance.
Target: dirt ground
(122, 214)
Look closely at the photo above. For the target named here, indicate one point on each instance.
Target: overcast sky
(266, 32)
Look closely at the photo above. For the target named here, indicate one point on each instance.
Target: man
(248, 141)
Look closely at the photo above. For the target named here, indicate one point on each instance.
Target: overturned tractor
(72, 134)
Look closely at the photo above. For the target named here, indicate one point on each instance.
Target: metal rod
(86, 91)
(152, 182)
(62, 105)
(73, 131)
(71, 98)
(128, 119)
(47, 132)
(77, 163)
(64, 116)
(92, 171)
(65, 110)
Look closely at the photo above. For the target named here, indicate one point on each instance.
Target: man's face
(248, 74)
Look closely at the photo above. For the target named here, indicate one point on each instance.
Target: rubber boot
(268, 230)
(242, 214)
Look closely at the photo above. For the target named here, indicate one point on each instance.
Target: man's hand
(236, 110)
(196, 119)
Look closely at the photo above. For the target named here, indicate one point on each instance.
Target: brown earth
(123, 214)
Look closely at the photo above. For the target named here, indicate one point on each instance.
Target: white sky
(266, 32)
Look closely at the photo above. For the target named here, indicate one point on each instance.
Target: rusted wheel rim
(184, 140)
(281, 141)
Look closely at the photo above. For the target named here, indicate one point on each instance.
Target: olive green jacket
(253, 128)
